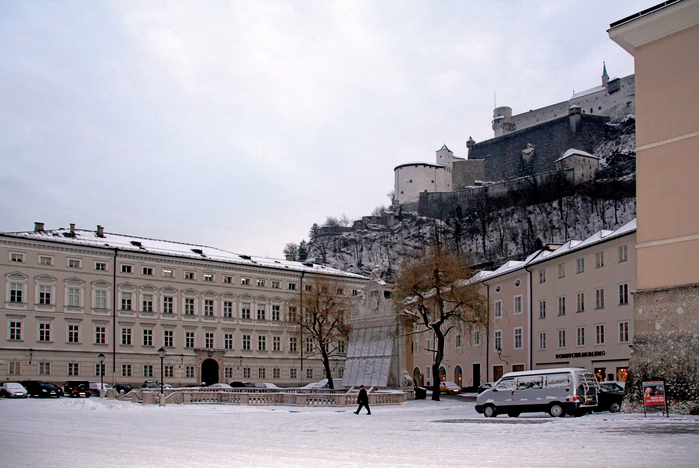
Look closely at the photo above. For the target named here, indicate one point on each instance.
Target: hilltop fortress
(558, 137)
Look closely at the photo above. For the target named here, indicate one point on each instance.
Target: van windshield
(505, 385)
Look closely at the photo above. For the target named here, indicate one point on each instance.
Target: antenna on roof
(495, 101)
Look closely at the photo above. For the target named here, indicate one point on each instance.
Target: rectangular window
(73, 334)
(292, 344)
(126, 370)
(246, 342)
(276, 285)
(100, 299)
(100, 266)
(457, 341)
(518, 305)
(293, 374)
(261, 343)
(168, 338)
(16, 292)
(292, 314)
(189, 372)
(126, 269)
(309, 345)
(276, 373)
(292, 286)
(561, 338)
(580, 301)
(168, 304)
(561, 270)
(147, 337)
(209, 340)
(45, 260)
(599, 259)
(99, 369)
(15, 330)
(126, 336)
(309, 374)
(623, 332)
(17, 257)
(148, 271)
(498, 309)
(261, 373)
(208, 277)
(581, 265)
(624, 294)
(45, 295)
(542, 276)
(125, 301)
(276, 343)
(188, 306)
(498, 340)
(228, 279)
(147, 370)
(599, 298)
(623, 253)
(168, 273)
(189, 339)
(169, 371)
(44, 368)
(245, 311)
(73, 369)
(340, 291)
(228, 373)
(208, 307)
(245, 281)
(341, 346)
(147, 303)
(518, 338)
(562, 305)
(276, 314)
(261, 314)
(580, 337)
(260, 283)
(246, 372)
(100, 335)
(190, 275)
(476, 338)
(228, 340)
(73, 297)
(542, 309)
(227, 309)
(73, 263)
(44, 332)
(308, 287)
(542, 340)
(599, 334)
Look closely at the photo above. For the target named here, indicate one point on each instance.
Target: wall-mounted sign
(581, 355)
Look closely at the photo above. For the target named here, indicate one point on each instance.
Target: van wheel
(513, 414)
(556, 410)
(614, 408)
(490, 411)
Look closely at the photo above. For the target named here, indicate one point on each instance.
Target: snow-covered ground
(100, 433)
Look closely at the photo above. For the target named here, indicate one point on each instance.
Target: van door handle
(513, 392)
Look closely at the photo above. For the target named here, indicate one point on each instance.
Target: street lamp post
(161, 355)
(101, 359)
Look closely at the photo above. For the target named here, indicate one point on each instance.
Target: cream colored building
(664, 41)
(71, 294)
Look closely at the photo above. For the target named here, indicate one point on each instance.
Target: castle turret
(502, 120)
(605, 77)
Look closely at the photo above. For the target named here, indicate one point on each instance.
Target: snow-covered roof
(576, 152)
(596, 89)
(144, 245)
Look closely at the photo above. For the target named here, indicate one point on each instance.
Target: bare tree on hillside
(435, 291)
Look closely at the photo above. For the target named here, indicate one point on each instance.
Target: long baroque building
(73, 294)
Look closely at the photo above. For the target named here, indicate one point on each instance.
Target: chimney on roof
(289, 258)
(100, 231)
(38, 227)
(72, 228)
(319, 261)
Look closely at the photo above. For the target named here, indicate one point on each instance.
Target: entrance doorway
(418, 378)
(209, 372)
(476, 375)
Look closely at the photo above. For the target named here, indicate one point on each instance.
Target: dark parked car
(77, 388)
(42, 389)
(241, 385)
(609, 397)
(123, 386)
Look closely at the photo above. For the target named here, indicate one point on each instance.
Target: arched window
(457, 376)
(442, 374)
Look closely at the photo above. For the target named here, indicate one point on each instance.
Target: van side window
(532, 382)
(557, 380)
(505, 385)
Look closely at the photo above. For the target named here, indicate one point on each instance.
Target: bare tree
(291, 251)
(435, 291)
(325, 304)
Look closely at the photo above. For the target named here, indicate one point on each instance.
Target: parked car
(77, 388)
(609, 397)
(324, 384)
(242, 385)
(265, 385)
(449, 387)
(220, 385)
(95, 387)
(154, 384)
(485, 386)
(13, 390)
(41, 389)
(123, 386)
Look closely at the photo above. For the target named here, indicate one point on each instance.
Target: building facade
(71, 295)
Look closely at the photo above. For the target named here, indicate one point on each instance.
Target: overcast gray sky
(238, 124)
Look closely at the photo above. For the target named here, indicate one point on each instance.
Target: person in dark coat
(363, 400)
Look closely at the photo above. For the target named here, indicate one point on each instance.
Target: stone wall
(666, 347)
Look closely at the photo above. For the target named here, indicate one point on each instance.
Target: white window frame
(518, 338)
(498, 308)
(600, 334)
(580, 337)
(518, 304)
(542, 340)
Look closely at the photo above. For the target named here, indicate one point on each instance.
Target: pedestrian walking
(363, 400)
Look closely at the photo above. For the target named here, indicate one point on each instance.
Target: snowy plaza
(99, 433)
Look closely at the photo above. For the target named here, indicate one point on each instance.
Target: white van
(555, 391)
